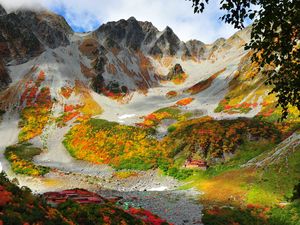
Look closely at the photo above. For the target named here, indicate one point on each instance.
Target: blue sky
(86, 15)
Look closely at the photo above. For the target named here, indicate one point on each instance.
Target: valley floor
(148, 189)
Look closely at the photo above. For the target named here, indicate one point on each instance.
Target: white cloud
(177, 14)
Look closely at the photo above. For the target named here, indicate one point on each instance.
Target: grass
(275, 183)
(253, 215)
(290, 215)
(24, 151)
(222, 216)
(266, 186)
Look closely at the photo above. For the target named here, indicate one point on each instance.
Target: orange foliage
(185, 101)
(202, 85)
(89, 105)
(104, 142)
(171, 94)
(37, 104)
(153, 119)
(66, 91)
(179, 78)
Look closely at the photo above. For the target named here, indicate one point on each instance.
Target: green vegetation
(20, 157)
(222, 216)
(254, 215)
(19, 206)
(128, 147)
(209, 139)
(254, 193)
(276, 182)
(289, 215)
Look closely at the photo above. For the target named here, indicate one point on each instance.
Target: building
(80, 196)
(195, 164)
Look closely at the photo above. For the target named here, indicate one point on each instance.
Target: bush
(222, 216)
(20, 157)
(290, 215)
(180, 174)
(171, 128)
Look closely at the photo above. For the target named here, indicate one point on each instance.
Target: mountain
(128, 108)
(122, 71)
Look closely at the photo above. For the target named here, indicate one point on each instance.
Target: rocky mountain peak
(2, 11)
(131, 19)
(166, 44)
(196, 48)
(137, 35)
(51, 29)
(17, 42)
(126, 33)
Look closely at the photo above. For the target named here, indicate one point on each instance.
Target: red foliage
(5, 196)
(41, 76)
(70, 116)
(68, 108)
(150, 117)
(227, 107)
(146, 216)
(106, 219)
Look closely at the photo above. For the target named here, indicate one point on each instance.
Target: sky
(87, 15)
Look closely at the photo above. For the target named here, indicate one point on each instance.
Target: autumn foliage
(20, 206)
(36, 106)
(185, 101)
(104, 142)
(203, 85)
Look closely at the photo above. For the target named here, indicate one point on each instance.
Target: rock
(168, 43)
(51, 29)
(17, 42)
(2, 11)
(4, 76)
(136, 35)
(196, 48)
(129, 33)
(176, 70)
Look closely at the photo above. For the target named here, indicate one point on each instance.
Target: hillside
(131, 110)
(20, 206)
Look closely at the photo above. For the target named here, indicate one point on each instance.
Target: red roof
(196, 162)
(79, 195)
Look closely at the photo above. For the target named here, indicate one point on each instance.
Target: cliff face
(4, 77)
(51, 29)
(17, 42)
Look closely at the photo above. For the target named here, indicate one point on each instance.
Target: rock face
(17, 42)
(167, 43)
(134, 54)
(143, 36)
(4, 77)
(176, 70)
(2, 11)
(129, 33)
(25, 34)
(196, 48)
(51, 29)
